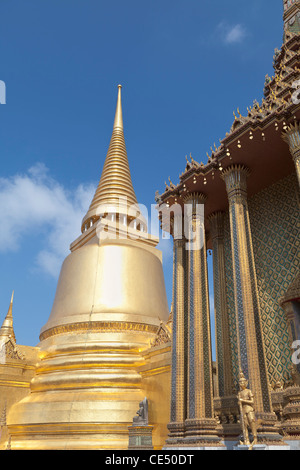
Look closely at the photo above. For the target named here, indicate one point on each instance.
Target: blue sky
(185, 66)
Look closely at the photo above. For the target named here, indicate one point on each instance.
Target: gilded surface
(247, 412)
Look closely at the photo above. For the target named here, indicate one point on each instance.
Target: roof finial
(119, 117)
(9, 313)
(7, 326)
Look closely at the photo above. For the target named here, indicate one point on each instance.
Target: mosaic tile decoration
(239, 298)
(275, 227)
(191, 342)
(218, 333)
(230, 304)
(174, 335)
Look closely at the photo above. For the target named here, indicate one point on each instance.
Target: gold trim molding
(104, 327)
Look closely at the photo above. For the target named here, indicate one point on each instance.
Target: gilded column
(200, 422)
(252, 359)
(223, 347)
(292, 137)
(178, 373)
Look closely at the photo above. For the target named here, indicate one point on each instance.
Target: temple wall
(15, 376)
(156, 382)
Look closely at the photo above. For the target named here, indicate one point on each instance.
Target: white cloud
(34, 203)
(235, 34)
(232, 34)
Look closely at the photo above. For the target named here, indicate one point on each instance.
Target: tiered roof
(254, 140)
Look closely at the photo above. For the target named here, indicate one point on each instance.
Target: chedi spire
(115, 193)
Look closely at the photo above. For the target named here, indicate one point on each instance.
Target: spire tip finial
(118, 116)
(115, 184)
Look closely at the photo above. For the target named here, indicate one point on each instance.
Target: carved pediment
(163, 335)
(10, 350)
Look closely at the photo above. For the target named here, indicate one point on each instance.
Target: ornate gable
(10, 350)
(163, 335)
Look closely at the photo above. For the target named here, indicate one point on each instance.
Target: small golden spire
(9, 313)
(7, 326)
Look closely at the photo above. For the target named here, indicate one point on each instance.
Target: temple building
(111, 341)
(249, 190)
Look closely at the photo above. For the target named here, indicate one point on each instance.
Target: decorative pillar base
(196, 434)
(227, 414)
(140, 438)
(177, 432)
(261, 447)
(202, 433)
(291, 413)
(268, 431)
(199, 446)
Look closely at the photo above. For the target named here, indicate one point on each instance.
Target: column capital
(179, 242)
(235, 177)
(177, 227)
(193, 200)
(198, 198)
(292, 137)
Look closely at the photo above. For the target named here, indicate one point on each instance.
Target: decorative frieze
(104, 326)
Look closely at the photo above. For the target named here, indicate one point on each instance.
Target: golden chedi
(108, 306)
